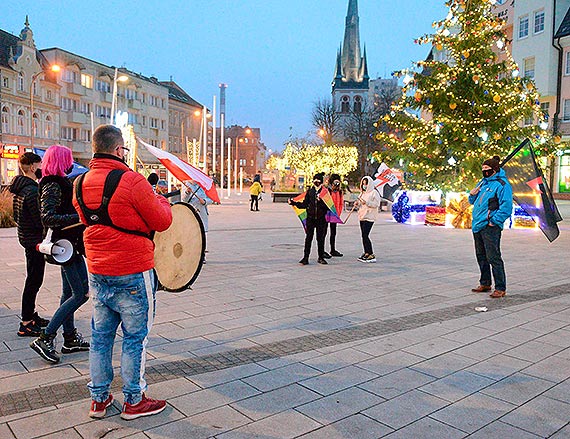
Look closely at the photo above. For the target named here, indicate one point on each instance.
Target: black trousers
(365, 228)
(488, 253)
(254, 199)
(321, 227)
(333, 236)
(35, 269)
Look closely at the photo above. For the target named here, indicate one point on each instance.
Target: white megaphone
(58, 252)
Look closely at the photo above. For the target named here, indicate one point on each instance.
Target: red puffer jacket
(134, 206)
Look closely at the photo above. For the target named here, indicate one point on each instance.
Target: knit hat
(494, 163)
(334, 177)
(320, 176)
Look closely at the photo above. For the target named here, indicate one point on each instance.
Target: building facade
(26, 81)
(247, 152)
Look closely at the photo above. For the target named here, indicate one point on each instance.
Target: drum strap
(100, 215)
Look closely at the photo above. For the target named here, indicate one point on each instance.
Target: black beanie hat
(334, 177)
(320, 176)
(493, 163)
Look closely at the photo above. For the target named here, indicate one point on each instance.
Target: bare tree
(325, 118)
(359, 130)
(384, 99)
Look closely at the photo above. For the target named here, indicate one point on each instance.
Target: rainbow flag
(332, 214)
(301, 213)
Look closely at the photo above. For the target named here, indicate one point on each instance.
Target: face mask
(317, 183)
(488, 172)
(38, 173)
(69, 170)
(364, 187)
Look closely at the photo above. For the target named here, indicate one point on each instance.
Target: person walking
(27, 216)
(338, 199)
(57, 213)
(316, 219)
(254, 192)
(367, 204)
(120, 260)
(492, 201)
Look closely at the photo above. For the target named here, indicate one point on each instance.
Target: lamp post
(54, 68)
(116, 78)
(238, 158)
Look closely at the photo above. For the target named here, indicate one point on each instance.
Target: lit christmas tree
(474, 102)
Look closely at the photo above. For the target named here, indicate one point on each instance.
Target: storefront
(9, 155)
(564, 172)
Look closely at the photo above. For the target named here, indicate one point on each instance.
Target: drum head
(179, 250)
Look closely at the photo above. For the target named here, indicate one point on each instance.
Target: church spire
(351, 58)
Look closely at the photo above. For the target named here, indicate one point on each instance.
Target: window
(49, 95)
(86, 80)
(35, 124)
(35, 88)
(48, 132)
(21, 123)
(5, 120)
(538, 22)
(5, 83)
(103, 86)
(143, 98)
(69, 104)
(133, 119)
(523, 26)
(68, 133)
(163, 124)
(20, 81)
(529, 68)
(86, 135)
(345, 104)
(131, 94)
(566, 115)
(154, 122)
(358, 104)
(528, 121)
(144, 121)
(70, 76)
(101, 111)
(85, 107)
(545, 108)
(163, 103)
(567, 64)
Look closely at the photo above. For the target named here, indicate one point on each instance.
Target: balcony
(76, 89)
(75, 117)
(564, 127)
(134, 104)
(106, 96)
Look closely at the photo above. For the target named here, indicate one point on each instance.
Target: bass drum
(179, 250)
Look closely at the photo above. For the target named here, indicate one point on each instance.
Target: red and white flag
(386, 182)
(184, 171)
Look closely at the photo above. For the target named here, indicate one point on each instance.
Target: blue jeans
(127, 300)
(75, 292)
(488, 252)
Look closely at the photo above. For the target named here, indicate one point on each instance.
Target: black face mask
(38, 173)
(488, 172)
(69, 170)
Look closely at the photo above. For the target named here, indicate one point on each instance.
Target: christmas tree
(467, 102)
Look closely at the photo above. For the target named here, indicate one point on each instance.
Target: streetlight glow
(55, 68)
(123, 78)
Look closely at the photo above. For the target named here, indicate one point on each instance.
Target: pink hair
(56, 160)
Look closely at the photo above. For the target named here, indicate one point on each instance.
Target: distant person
(316, 219)
(255, 192)
(57, 213)
(120, 255)
(367, 204)
(26, 208)
(272, 185)
(336, 191)
(492, 201)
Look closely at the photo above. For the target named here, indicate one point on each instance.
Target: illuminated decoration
(435, 216)
(459, 211)
(309, 159)
(472, 105)
(10, 152)
(410, 206)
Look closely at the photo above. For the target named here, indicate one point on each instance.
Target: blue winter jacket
(490, 187)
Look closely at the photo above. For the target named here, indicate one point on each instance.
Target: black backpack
(100, 215)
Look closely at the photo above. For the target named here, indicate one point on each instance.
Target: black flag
(530, 190)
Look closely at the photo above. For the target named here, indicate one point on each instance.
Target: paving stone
(396, 383)
(339, 405)
(533, 351)
(518, 388)
(443, 365)
(498, 367)
(472, 413)
(357, 426)
(561, 392)
(554, 369)
(563, 433)
(500, 430)
(427, 428)
(49, 422)
(483, 349)
(5, 432)
(284, 376)
(405, 409)
(336, 360)
(275, 401)
(217, 377)
(337, 380)
(457, 386)
(541, 416)
(272, 427)
(515, 336)
(389, 363)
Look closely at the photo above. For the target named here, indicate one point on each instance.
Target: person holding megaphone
(57, 214)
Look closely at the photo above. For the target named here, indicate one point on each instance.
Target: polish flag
(184, 171)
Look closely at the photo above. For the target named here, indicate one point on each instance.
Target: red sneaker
(99, 409)
(145, 407)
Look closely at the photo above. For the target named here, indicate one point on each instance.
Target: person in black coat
(27, 216)
(316, 219)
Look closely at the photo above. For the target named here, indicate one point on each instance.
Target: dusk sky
(277, 57)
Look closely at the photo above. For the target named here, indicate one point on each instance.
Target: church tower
(351, 81)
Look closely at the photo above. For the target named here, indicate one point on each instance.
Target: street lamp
(119, 78)
(54, 68)
(238, 159)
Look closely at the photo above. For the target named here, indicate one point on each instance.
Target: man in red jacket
(120, 260)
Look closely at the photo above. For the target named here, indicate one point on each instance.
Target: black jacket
(316, 207)
(27, 210)
(57, 211)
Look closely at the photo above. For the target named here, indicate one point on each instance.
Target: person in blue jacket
(492, 201)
